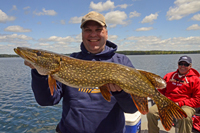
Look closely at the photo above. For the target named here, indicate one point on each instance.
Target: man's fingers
(117, 87)
(114, 87)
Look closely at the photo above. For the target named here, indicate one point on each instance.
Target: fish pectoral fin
(141, 103)
(52, 84)
(168, 112)
(156, 80)
(105, 92)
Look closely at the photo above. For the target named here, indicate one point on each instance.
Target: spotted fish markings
(90, 74)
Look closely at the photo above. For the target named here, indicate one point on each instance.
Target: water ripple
(19, 112)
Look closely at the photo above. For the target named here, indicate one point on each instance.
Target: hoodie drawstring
(184, 75)
(186, 80)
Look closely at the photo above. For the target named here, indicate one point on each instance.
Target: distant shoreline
(8, 55)
(153, 52)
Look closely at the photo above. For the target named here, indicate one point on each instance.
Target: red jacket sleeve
(194, 101)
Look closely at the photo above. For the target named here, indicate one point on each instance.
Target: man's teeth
(93, 40)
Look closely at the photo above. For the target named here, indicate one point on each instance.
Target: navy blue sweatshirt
(84, 109)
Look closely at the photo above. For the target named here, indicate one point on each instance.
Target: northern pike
(89, 74)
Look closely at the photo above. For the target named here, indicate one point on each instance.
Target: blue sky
(132, 24)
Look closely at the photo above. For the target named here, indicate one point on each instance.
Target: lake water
(19, 112)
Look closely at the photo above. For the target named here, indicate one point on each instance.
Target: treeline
(134, 53)
(157, 52)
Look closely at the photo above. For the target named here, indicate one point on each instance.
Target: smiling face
(94, 37)
(183, 67)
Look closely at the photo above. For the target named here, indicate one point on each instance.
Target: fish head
(45, 62)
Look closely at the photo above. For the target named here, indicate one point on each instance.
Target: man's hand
(28, 64)
(114, 87)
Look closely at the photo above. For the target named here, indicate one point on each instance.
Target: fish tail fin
(141, 103)
(168, 111)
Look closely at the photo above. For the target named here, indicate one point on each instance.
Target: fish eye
(39, 53)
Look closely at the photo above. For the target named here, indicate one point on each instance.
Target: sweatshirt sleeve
(124, 99)
(41, 90)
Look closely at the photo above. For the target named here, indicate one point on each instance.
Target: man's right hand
(28, 64)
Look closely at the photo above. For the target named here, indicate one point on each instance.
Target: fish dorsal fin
(52, 84)
(141, 103)
(156, 80)
(105, 92)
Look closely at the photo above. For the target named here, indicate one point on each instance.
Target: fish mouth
(26, 53)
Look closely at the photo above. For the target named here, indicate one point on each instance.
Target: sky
(54, 25)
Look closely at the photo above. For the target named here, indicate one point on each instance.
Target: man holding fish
(85, 109)
(96, 69)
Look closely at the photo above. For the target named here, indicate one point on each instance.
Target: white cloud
(194, 27)
(116, 17)
(62, 22)
(144, 39)
(144, 29)
(112, 37)
(58, 39)
(196, 17)
(183, 8)
(102, 6)
(123, 6)
(75, 20)
(157, 43)
(108, 5)
(4, 18)
(45, 12)
(44, 44)
(112, 25)
(14, 7)
(16, 28)
(26, 10)
(64, 45)
(27, 7)
(180, 2)
(113, 18)
(134, 14)
(13, 40)
(150, 18)
(193, 40)
(78, 38)
(72, 44)
(16, 36)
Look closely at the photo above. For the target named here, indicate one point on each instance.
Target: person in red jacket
(183, 88)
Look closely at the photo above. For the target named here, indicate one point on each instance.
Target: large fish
(88, 74)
